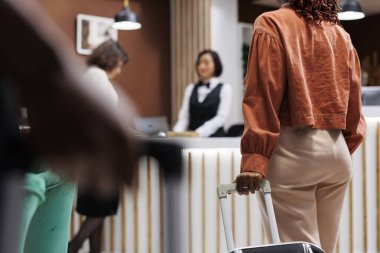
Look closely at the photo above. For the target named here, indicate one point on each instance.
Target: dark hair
(215, 57)
(107, 55)
(317, 10)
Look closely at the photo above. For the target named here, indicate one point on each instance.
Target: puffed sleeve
(265, 86)
(355, 122)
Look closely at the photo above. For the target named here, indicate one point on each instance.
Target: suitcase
(277, 246)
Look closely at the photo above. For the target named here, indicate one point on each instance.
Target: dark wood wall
(146, 78)
(248, 12)
(365, 34)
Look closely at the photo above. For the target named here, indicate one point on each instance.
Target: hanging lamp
(126, 19)
(351, 10)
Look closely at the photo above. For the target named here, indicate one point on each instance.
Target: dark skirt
(91, 205)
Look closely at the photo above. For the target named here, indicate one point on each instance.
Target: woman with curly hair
(303, 120)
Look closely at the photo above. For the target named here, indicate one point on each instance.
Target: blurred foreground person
(105, 63)
(303, 120)
(73, 127)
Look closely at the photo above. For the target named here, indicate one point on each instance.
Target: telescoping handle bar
(224, 190)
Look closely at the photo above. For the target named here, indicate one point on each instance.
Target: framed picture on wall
(92, 31)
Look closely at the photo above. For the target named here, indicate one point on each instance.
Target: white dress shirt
(101, 84)
(211, 126)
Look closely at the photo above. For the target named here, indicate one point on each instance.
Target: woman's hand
(248, 182)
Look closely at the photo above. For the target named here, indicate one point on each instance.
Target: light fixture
(126, 19)
(351, 10)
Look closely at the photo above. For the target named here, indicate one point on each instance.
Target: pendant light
(351, 10)
(126, 19)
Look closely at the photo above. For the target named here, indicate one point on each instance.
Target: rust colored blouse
(299, 74)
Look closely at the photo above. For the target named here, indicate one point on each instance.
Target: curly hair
(317, 10)
(107, 55)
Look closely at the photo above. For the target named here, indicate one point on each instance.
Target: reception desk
(139, 225)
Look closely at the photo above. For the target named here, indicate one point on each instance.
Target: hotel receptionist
(206, 104)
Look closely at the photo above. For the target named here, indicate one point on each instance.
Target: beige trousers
(309, 173)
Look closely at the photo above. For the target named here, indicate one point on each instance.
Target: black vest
(202, 112)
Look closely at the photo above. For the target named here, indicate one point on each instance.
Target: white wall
(226, 39)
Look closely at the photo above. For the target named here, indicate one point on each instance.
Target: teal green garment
(46, 213)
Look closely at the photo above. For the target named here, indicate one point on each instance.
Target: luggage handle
(224, 190)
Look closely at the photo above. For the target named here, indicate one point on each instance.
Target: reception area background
(162, 56)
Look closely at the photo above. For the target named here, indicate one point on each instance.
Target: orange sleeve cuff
(254, 163)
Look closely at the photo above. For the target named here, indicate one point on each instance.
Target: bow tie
(200, 83)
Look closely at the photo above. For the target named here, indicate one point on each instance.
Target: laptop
(152, 125)
(371, 96)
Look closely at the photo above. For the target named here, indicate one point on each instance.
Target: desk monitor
(371, 96)
(151, 125)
